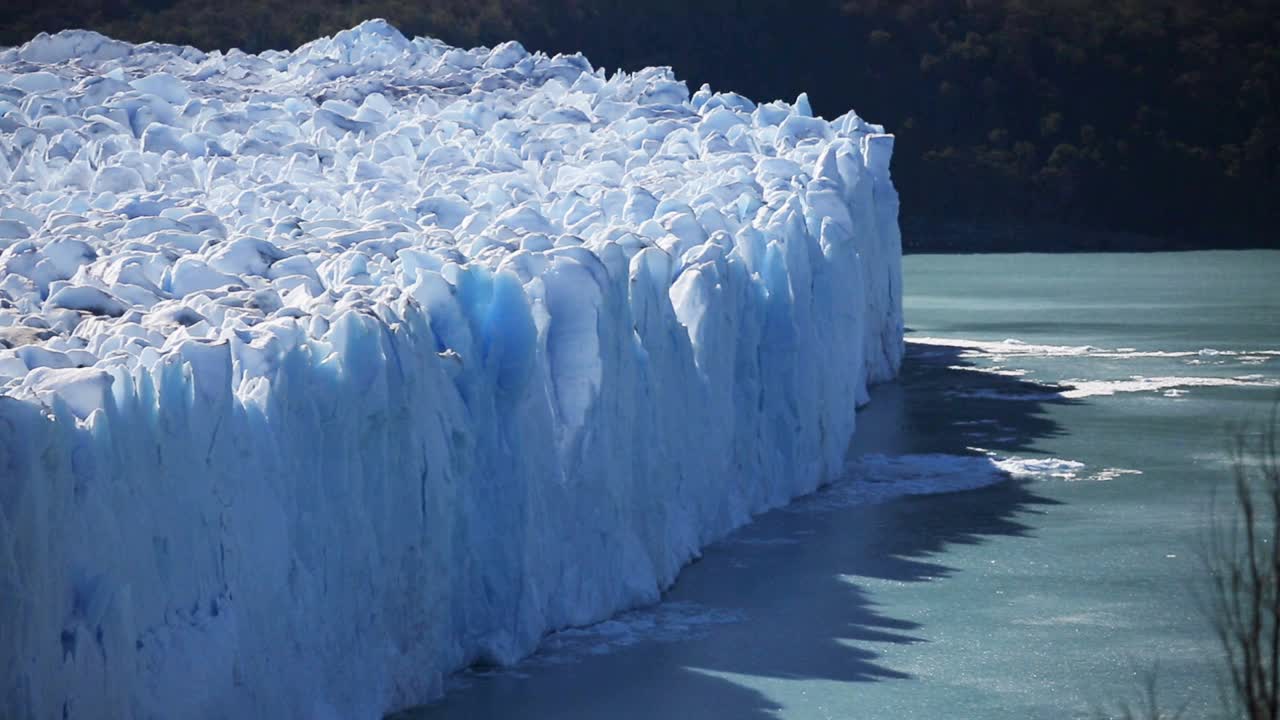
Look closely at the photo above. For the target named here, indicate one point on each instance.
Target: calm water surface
(1093, 395)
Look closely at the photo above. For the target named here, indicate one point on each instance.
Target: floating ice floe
(325, 373)
(996, 352)
(1013, 348)
(875, 478)
(1168, 386)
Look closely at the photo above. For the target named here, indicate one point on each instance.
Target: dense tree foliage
(1159, 117)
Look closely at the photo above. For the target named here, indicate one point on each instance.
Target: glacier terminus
(326, 373)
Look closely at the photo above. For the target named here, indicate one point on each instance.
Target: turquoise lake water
(1088, 401)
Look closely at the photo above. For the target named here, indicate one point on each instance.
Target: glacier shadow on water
(794, 575)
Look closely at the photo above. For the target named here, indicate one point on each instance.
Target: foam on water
(664, 622)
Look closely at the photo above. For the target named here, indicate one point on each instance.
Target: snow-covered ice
(325, 373)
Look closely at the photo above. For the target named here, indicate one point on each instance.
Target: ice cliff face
(324, 373)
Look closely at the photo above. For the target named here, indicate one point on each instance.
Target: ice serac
(325, 373)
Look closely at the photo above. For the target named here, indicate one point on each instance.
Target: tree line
(1156, 118)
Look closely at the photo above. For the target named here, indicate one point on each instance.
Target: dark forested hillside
(1019, 122)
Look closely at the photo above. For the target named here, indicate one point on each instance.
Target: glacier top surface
(155, 199)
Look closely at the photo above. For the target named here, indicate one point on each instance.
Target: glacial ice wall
(324, 373)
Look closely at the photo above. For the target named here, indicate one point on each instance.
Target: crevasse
(325, 373)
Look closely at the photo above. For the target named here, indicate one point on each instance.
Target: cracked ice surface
(325, 373)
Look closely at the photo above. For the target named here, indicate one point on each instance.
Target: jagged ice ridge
(325, 373)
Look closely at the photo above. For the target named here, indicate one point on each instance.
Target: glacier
(325, 373)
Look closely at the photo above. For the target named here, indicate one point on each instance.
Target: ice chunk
(18, 335)
(72, 45)
(84, 390)
(37, 82)
(88, 299)
(164, 86)
(13, 229)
